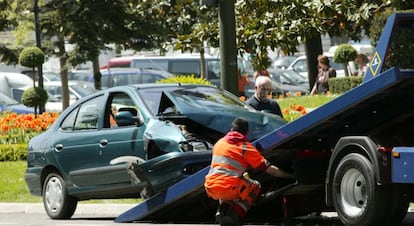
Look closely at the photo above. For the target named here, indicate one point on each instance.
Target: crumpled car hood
(218, 116)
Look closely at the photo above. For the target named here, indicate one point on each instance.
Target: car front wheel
(57, 203)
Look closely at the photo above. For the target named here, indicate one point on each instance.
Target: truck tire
(357, 199)
(397, 206)
(56, 201)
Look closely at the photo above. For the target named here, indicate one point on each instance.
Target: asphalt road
(22, 214)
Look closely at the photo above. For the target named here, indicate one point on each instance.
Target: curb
(82, 209)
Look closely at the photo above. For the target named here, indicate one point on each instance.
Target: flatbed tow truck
(354, 155)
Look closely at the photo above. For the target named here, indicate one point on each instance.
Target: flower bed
(19, 129)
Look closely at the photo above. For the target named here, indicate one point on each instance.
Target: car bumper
(32, 178)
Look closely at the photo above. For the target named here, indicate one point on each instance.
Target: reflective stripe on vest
(219, 159)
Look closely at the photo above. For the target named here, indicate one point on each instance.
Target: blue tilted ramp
(163, 205)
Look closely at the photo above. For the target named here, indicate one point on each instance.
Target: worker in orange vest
(227, 180)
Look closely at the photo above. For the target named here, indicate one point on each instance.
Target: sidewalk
(82, 209)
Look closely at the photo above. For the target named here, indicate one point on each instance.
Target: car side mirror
(125, 118)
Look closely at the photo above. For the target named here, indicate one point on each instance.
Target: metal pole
(228, 49)
(39, 45)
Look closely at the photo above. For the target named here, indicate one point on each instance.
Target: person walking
(260, 100)
(228, 182)
(325, 72)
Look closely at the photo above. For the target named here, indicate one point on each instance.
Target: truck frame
(354, 155)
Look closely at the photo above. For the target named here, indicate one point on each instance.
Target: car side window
(119, 102)
(301, 66)
(87, 116)
(69, 122)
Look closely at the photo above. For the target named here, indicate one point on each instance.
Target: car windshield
(200, 95)
(5, 100)
(50, 76)
(83, 89)
(294, 76)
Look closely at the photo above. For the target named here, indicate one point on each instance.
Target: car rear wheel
(56, 201)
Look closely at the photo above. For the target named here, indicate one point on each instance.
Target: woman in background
(325, 71)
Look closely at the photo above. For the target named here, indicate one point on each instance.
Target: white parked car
(301, 66)
(77, 90)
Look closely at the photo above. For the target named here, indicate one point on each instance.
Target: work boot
(226, 216)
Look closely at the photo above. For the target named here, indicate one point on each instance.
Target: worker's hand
(276, 172)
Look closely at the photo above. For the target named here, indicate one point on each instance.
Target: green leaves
(31, 57)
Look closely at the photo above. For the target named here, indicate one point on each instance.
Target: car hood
(218, 117)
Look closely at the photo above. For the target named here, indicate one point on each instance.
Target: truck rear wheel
(397, 206)
(357, 198)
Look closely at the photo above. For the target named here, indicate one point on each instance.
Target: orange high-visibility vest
(228, 164)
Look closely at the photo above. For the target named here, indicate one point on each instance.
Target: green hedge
(13, 152)
(343, 84)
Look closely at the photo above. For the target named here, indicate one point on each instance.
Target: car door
(120, 140)
(85, 150)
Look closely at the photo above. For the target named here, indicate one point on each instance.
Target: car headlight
(195, 145)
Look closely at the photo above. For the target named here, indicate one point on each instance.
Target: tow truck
(353, 155)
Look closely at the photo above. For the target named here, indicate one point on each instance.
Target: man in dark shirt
(260, 100)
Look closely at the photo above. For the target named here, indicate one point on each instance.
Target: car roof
(59, 83)
(134, 70)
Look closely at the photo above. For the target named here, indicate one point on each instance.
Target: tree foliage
(34, 97)
(343, 54)
(91, 25)
(31, 57)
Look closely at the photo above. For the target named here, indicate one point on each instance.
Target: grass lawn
(12, 185)
(13, 188)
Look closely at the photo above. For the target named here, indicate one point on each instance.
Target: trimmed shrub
(34, 97)
(343, 54)
(341, 85)
(185, 79)
(13, 152)
(31, 57)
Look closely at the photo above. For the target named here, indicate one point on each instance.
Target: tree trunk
(63, 73)
(97, 73)
(313, 48)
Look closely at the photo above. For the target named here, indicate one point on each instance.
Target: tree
(35, 97)
(90, 25)
(264, 24)
(343, 54)
(32, 57)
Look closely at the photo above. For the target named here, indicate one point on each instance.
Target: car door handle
(103, 143)
(58, 147)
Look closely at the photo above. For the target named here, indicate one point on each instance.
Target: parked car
(77, 90)
(80, 75)
(283, 62)
(301, 66)
(281, 84)
(10, 81)
(132, 141)
(290, 80)
(11, 105)
(126, 76)
(48, 76)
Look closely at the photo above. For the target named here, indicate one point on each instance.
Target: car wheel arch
(354, 144)
(46, 171)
